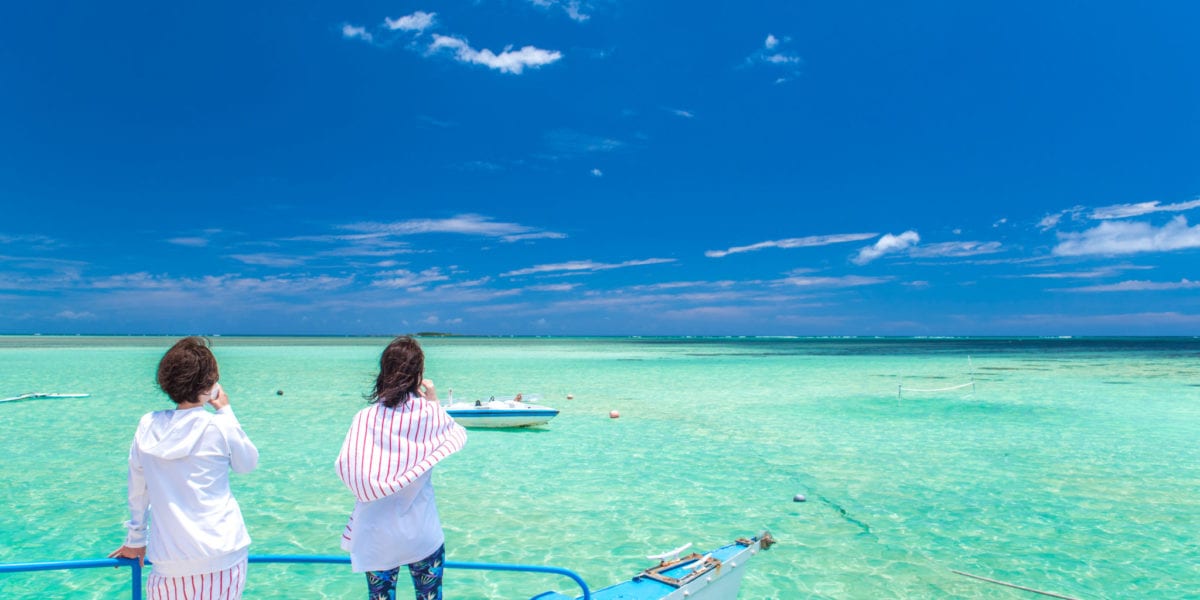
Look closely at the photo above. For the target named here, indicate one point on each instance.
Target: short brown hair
(187, 370)
(400, 369)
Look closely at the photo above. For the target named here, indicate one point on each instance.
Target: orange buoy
(612, 414)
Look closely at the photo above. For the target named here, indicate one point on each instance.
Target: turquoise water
(1072, 468)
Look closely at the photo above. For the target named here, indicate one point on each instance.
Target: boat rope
(1013, 585)
(945, 389)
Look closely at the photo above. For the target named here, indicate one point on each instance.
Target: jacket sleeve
(139, 501)
(243, 455)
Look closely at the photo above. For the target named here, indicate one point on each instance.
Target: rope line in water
(945, 389)
(1013, 585)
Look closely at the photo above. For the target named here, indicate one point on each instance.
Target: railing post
(136, 583)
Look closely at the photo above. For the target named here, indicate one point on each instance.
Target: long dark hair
(400, 369)
(187, 370)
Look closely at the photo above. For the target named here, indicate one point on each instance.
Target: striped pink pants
(221, 585)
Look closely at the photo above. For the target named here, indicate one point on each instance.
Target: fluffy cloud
(1123, 237)
(418, 21)
(800, 242)
(354, 32)
(887, 244)
(771, 53)
(508, 61)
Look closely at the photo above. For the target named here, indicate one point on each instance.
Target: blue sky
(550, 167)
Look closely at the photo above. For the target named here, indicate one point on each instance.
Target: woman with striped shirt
(386, 461)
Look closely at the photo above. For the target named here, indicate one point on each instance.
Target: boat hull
(500, 413)
(502, 418)
(717, 575)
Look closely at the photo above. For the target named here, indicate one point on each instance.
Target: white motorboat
(513, 411)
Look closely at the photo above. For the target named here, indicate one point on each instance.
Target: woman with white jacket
(183, 516)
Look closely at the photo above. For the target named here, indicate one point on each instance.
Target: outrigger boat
(715, 575)
(512, 411)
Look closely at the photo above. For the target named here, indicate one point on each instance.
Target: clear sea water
(1073, 467)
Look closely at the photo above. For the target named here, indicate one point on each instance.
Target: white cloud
(772, 53)
(834, 282)
(597, 173)
(539, 235)
(193, 242)
(268, 260)
(887, 244)
(567, 141)
(418, 21)
(354, 32)
(403, 278)
(1050, 221)
(954, 249)
(573, 8)
(800, 242)
(467, 224)
(553, 287)
(1000, 222)
(682, 113)
(1096, 273)
(1123, 237)
(781, 59)
(508, 61)
(1137, 285)
(75, 316)
(584, 266)
(1121, 211)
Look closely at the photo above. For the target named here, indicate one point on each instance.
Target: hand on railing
(127, 552)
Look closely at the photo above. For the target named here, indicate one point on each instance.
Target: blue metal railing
(136, 569)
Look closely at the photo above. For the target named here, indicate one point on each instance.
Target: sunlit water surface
(1073, 467)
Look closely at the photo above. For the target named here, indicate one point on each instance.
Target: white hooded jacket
(179, 470)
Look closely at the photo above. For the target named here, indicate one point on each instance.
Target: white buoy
(799, 498)
(570, 396)
(612, 414)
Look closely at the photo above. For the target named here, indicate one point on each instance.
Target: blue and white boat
(714, 575)
(501, 412)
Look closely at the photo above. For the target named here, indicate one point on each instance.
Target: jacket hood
(171, 434)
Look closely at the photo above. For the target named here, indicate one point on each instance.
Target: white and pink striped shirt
(388, 448)
(386, 461)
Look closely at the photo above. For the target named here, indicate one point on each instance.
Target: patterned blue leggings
(426, 576)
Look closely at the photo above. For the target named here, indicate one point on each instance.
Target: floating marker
(278, 392)
(612, 414)
(799, 498)
(570, 396)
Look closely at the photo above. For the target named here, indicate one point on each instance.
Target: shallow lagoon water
(1072, 467)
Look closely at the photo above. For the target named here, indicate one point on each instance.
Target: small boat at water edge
(501, 412)
(42, 395)
(715, 575)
